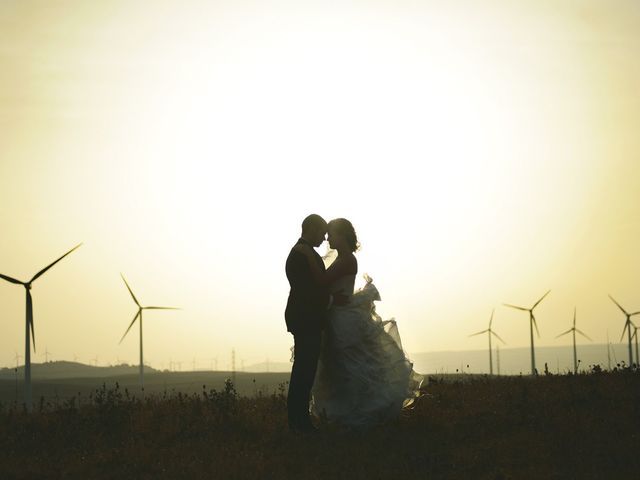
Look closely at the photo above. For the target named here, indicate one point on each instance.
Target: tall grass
(575, 426)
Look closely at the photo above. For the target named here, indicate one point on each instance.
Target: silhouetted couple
(348, 362)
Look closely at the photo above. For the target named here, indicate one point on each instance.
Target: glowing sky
(486, 151)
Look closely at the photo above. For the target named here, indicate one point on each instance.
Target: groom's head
(314, 229)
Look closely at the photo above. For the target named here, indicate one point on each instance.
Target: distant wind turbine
(46, 355)
(17, 359)
(233, 365)
(29, 326)
(574, 330)
(635, 335)
(139, 314)
(532, 323)
(627, 327)
(490, 332)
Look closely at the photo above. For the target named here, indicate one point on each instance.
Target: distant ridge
(515, 361)
(66, 369)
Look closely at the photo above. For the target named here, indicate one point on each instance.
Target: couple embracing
(349, 366)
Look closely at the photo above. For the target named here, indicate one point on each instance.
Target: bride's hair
(345, 228)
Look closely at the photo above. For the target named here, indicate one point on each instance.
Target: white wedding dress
(364, 377)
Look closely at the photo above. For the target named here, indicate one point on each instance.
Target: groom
(305, 316)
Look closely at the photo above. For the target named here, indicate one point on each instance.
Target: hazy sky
(486, 151)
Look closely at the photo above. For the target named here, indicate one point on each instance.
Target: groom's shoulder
(295, 251)
(296, 247)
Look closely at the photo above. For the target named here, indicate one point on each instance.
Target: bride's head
(342, 235)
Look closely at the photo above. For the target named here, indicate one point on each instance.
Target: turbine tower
(233, 366)
(139, 314)
(574, 330)
(17, 359)
(627, 327)
(29, 326)
(532, 323)
(490, 332)
(635, 335)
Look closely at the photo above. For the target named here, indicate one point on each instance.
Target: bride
(363, 376)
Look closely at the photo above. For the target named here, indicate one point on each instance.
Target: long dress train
(364, 377)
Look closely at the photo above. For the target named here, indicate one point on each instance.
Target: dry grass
(583, 426)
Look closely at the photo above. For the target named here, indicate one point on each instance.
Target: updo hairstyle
(343, 227)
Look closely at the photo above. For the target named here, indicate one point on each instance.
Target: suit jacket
(307, 304)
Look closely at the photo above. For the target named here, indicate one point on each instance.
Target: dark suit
(305, 316)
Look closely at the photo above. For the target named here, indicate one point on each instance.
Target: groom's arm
(303, 283)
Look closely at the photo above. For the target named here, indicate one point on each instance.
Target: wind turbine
(46, 355)
(627, 327)
(574, 330)
(233, 365)
(490, 332)
(532, 323)
(635, 335)
(139, 314)
(17, 359)
(29, 326)
(608, 352)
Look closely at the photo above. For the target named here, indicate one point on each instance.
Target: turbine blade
(52, 264)
(535, 324)
(634, 313)
(516, 307)
(564, 333)
(479, 333)
(160, 308)
(574, 317)
(626, 325)
(623, 310)
(12, 280)
(30, 318)
(491, 319)
(130, 325)
(130, 291)
(498, 337)
(541, 298)
(583, 334)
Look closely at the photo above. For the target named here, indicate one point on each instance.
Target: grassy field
(156, 383)
(550, 427)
